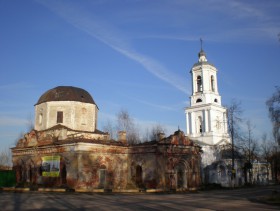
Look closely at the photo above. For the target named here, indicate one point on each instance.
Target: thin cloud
(175, 37)
(241, 9)
(252, 22)
(260, 21)
(114, 39)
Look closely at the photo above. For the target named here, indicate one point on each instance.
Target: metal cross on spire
(201, 42)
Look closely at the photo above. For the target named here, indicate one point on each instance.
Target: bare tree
(126, 123)
(153, 133)
(20, 136)
(5, 158)
(110, 128)
(249, 147)
(265, 148)
(234, 113)
(266, 151)
(273, 104)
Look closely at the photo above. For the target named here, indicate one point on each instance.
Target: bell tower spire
(204, 81)
(205, 118)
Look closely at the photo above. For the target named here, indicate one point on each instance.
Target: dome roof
(66, 93)
(201, 53)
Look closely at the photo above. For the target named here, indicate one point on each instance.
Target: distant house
(261, 173)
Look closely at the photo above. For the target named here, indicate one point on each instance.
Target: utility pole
(232, 150)
(250, 169)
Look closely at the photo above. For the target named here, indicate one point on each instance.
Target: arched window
(180, 176)
(59, 117)
(198, 100)
(40, 171)
(215, 100)
(84, 116)
(139, 176)
(40, 118)
(30, 174)
(199, 124)
(199, 83)
(102, 176)
(63, 174)
(222, 171)
(212, 83)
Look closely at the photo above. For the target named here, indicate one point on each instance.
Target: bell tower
(206, 118)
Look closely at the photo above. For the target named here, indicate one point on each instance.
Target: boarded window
(59, 117)
(102, 176)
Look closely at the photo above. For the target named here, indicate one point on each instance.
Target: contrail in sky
(113, 38)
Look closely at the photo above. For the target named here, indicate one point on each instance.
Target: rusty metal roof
(66, 93)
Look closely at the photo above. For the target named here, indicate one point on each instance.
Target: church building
(66, 150)
(206, 124)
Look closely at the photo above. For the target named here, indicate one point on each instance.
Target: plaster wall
(76, 115)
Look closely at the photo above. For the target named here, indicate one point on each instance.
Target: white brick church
(206, 124)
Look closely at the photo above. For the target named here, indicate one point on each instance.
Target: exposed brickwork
(89, 164)
(65, 142)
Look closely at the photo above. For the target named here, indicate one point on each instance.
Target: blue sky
(136, 55)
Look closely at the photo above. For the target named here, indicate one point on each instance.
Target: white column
(192, 123)
(202, 79)
(187, 122)
(209, 121)
(193, 83)
(225, 122)
(216, 84)
(205, 120)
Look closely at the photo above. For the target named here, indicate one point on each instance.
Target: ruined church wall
(90, 166)
(81, 166)
(162, 168)
(143, 157)
(102, 170)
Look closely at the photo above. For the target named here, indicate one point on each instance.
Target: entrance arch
(182, 171)
(63, 175)
(139, 181)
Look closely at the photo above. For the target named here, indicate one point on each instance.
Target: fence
(7, 178)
